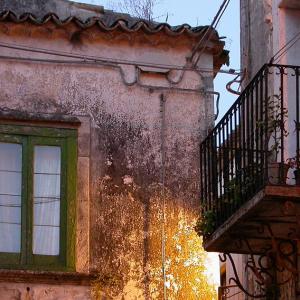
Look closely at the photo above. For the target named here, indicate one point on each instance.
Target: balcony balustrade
(250, 166)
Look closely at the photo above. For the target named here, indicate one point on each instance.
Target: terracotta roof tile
(62, 12)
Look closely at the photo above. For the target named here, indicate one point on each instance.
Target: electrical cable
(220, 12)
(285, 47)
(106, 60)
(209, 29)
(211, 33)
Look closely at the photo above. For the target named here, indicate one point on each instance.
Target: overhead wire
(285, 48)
(98, 59)
(209, 30)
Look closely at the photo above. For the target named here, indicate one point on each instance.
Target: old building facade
(260, 185)
(101, 116)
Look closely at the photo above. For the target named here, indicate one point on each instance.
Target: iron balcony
(250, 166)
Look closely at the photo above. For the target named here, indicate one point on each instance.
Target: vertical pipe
(163, 176)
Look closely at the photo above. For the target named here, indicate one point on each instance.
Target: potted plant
(297, 176)
(206, 224)
(294, 165)
(277, 171)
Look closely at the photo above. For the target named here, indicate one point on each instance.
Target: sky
(196, 13)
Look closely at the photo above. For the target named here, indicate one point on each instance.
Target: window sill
(8, 116)
(45, 277)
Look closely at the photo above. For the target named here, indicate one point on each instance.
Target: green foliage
(275, 125)
(205, 225)
(233, 191)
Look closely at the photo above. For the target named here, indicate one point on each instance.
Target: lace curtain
(46, 201)
(10, 197)
(46, 214)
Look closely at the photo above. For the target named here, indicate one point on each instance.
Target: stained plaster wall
(125, 130)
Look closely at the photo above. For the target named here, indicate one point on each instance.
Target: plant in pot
(297, 157)
(206, 224)
(294, 164)
(277, 115)
(232, 192)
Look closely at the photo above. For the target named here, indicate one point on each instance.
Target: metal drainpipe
(163, 173)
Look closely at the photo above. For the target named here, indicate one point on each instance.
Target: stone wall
(21, 291)
(138, 157)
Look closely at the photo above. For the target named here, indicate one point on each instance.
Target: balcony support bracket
(275, 260)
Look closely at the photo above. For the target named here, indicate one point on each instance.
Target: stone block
(83, 216)
(84, 136)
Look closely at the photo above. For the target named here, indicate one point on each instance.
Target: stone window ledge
(43, 277)
(16, 116)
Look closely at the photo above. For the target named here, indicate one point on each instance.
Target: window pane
(10, 183)
(46, 240)
(47, 169)
(47, 159)
(10, 197)
(10, 157)
(46, 185)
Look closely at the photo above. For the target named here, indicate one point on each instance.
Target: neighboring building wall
(229, 288)
(266, 26)
(126, 127)
(256, 35)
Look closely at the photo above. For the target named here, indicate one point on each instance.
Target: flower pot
(277, 173)
(297, 176)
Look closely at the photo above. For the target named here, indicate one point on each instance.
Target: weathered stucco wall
(21, 291)
(256, 35)
(138, 149)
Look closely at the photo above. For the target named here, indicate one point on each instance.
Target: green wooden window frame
(29, 137)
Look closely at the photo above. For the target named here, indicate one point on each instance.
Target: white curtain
(46, 214)
(10, 197)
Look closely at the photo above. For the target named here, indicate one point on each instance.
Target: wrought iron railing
(228, 292)
(255, 144)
